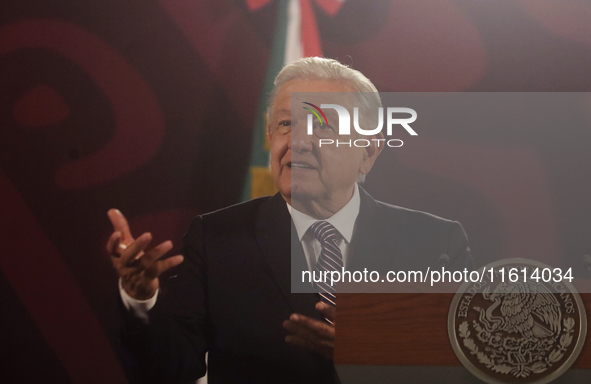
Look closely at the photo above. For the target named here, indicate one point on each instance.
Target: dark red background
(148, 106)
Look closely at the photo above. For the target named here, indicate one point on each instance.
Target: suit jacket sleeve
(171, 347)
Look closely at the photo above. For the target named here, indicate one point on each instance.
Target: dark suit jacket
(232, 292)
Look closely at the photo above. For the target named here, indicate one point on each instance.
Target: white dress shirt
(343, 221)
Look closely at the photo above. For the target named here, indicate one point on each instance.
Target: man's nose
(300, 141)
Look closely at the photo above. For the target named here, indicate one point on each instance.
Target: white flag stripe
(294, 49)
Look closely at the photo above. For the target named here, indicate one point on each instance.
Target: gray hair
(321, 68)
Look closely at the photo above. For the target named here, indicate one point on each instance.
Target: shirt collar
(343, 220)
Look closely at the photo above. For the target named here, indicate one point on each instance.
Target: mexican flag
(296, 36)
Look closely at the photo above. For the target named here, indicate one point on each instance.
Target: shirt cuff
(139, 307)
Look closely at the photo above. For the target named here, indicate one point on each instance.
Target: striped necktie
(331, 259)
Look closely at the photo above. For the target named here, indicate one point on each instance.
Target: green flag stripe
(259, 155)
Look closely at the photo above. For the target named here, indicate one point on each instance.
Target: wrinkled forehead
(317, 91)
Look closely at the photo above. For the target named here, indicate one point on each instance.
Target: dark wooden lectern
(403, 338)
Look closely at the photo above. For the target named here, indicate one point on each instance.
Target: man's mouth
(299, 165)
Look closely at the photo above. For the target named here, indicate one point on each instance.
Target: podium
(403, 338)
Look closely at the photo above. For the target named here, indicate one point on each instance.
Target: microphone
(587, 261)
(444, 259)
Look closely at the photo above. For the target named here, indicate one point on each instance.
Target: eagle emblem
(522, 331)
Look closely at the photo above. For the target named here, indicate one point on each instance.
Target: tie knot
(324, 231)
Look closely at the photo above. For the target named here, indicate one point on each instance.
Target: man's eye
(285, 123)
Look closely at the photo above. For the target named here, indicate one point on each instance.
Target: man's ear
(371, 152)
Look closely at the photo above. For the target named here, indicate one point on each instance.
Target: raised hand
(139, 269)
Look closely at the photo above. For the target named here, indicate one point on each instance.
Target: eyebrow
(281, 113)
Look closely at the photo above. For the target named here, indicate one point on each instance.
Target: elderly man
(230, 292)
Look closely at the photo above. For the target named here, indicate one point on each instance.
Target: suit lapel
(371, 247)
(284, 255)
(373, 242)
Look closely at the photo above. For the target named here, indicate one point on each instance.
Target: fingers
(128, 255)
(328, 311)
(156, 253)
(304, 326)
(309, 333)
(162, 266)
(134, 251)
(113, 244)
(149, 262)
(325, 348)
(120, 225)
